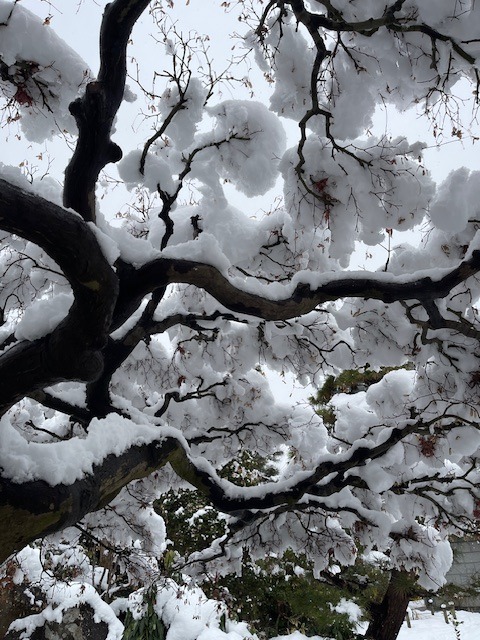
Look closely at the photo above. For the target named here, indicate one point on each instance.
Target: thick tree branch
(35, 509)
(80, 414)
(73, 350)
(96, 110)
(116, 352)
(429, 285)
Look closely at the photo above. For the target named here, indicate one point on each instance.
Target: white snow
(67, 461)
(257, 142)
(54, 65)
(43, 316)
(430, 627)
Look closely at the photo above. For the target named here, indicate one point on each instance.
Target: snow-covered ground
(430, 627)
(427, 627)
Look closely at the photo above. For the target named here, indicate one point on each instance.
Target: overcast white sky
(80, 29)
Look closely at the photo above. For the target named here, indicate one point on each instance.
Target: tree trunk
(389, 614)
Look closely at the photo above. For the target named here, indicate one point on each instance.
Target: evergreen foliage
(148, 626)
(275, 595)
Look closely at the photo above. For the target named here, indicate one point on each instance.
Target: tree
(274, 595)
(387, 605)
(135, 348)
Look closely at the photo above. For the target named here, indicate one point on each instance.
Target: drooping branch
(329, 477)
(38, 509)
(96, 110)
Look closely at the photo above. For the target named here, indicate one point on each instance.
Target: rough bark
(79, 623)
(389, 614)
(35, 509)
(14, 602)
